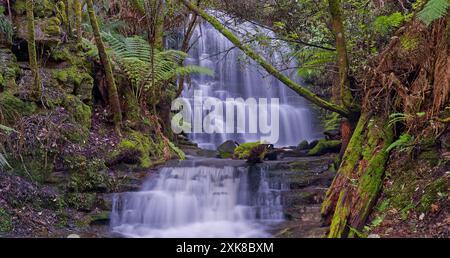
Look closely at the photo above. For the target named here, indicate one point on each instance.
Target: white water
(207, 201)
(236, 78)
(200, 202)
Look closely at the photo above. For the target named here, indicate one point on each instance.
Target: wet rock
(325, 146)
(226, 149)
(313, 144)
(332, 135)
(258, 153)
(304, 145)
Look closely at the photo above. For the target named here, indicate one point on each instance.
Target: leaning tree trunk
(360, 176)
(37, 83)
(302, 91)
(113, 95)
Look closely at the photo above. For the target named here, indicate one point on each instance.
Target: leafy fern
(384, 24)
(148, 69)
(434, 10)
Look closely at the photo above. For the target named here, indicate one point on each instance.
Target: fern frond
(433, 10)
(146, 67)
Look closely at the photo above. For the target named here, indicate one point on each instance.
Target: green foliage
(3, 162)
(395, 118)
(312, 59)
(404, 141)
(181, 155)
(243, 151)
(147, 68)
(6, 224)
(433, 10)
(6, 29)
(384, 24)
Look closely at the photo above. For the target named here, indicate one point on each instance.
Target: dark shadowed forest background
(86, 91)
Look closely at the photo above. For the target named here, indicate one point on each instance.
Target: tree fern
(434, 10)
(147, 68)
(313, 59)
(384, 24)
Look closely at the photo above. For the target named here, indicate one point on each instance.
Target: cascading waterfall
(217, 201)
(237, 78)
(200, 201)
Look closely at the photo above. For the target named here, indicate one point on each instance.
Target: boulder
(332, 135)
(324, 146)
(313, 144)
(304, 145)
(226, 149)
(258, 153)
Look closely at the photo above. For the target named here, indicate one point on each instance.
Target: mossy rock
(42, 8)
(304, 145)
(226, 149)
(136, 148)
(75, 81)
(33, 164)
(6, 224)
(244, 150)
(100, 218)
(432, 192)
(324, 147)
(81, 112)
(9, 69)
(86, 175)
(13, 107)
(84, 202)
(432, 156)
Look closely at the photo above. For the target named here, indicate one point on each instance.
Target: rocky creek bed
(306, 180)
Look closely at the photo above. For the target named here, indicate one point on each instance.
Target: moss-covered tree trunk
(302, 91)
(113, 95)
(68, 24)
(360, 176)
(37, 83)
(343, 62)
(77, 6)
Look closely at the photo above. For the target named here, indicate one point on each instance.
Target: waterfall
(239, 78)
(200, 201)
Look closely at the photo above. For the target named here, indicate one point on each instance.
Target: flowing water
(200, 201)
(237, 77)
(193, 200)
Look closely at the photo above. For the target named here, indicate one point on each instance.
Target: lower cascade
(200, 201)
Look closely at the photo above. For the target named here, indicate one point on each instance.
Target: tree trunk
(67, 10)
(360, 176)
(37, 83)
(307, 94)
(78, 8)
(343, 63)
(113, 95)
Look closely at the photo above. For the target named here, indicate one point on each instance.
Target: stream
(198, 200)
(211, 197)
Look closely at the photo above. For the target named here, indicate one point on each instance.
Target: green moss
(243, 151)
(13, 107)
(5, 221)
(81, 112)
(136, 143)
(432, 193)
(304, 145)
(86, 174)
(432, 156)
(177, 151)
(81, 201)
(324, 146)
